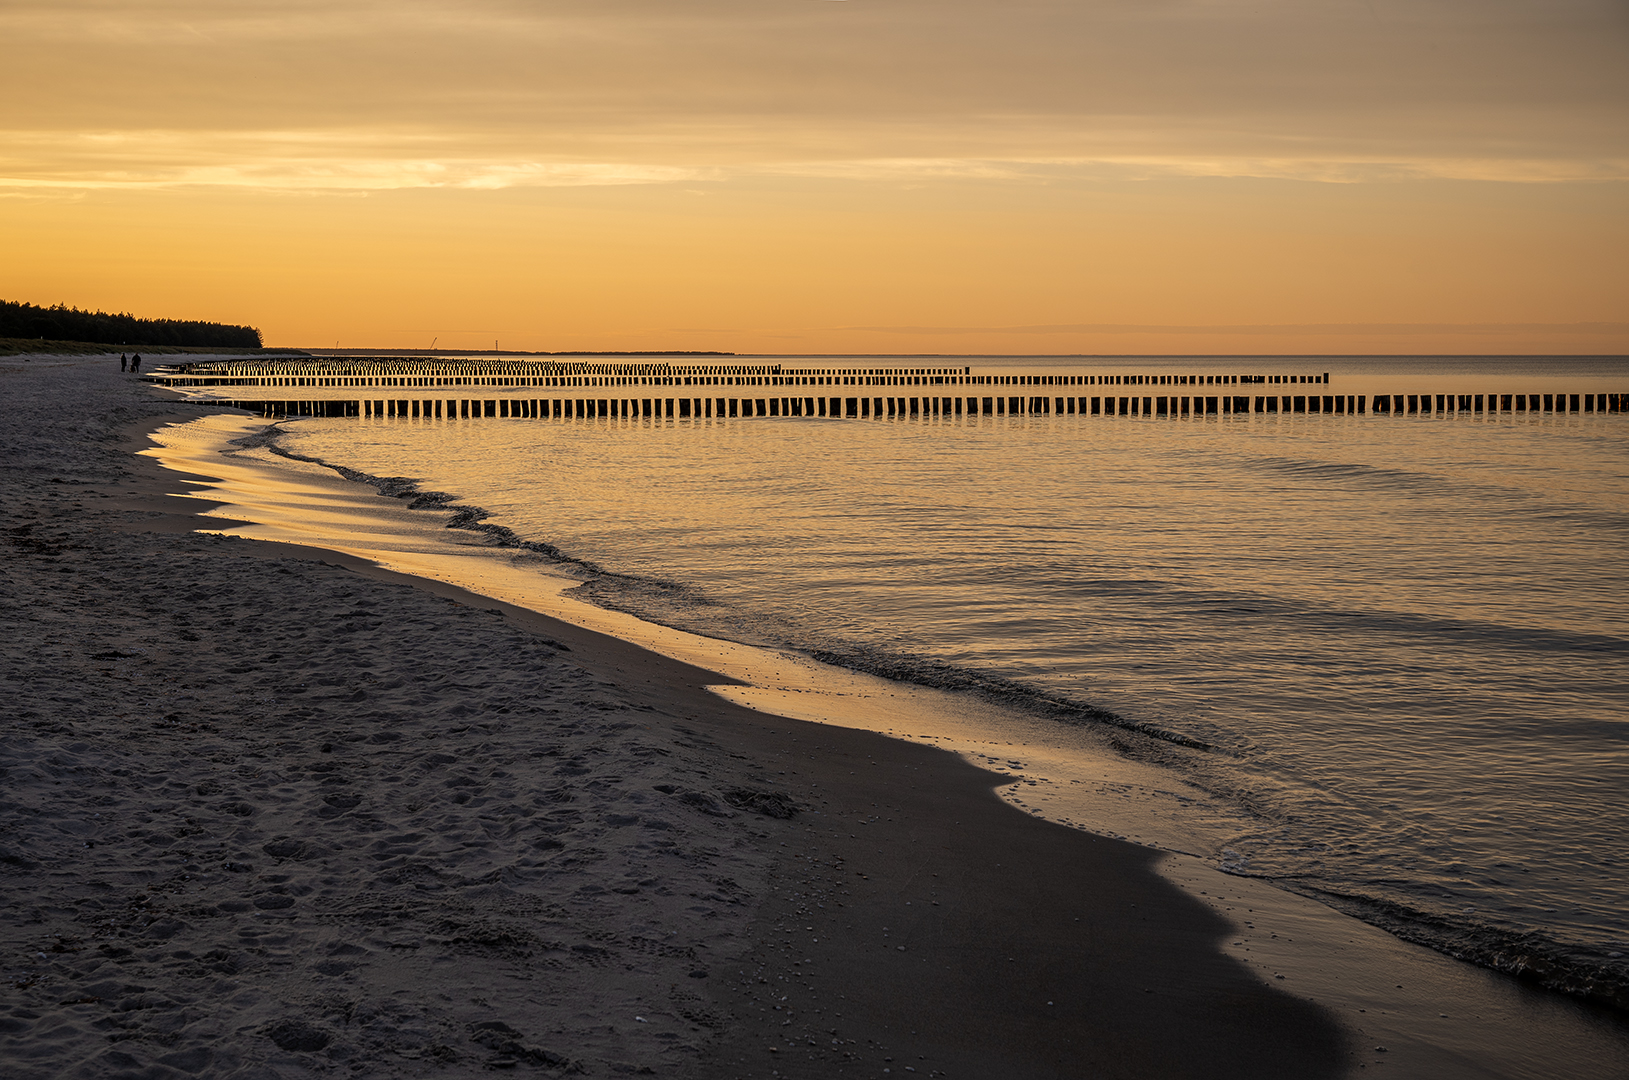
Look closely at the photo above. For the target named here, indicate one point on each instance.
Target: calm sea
(1403, 638)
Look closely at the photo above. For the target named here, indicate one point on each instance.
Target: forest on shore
(65, 324)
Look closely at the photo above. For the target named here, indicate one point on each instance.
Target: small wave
(1530, 956)
(1460, 488)
(687, 609)
(470, 518)
(1356, 474)
(1311, 618)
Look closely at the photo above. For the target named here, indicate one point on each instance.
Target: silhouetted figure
(121, 361)
(135, 362)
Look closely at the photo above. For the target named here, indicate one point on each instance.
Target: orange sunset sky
(1188, 176)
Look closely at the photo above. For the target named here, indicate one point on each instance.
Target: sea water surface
(1402, 639)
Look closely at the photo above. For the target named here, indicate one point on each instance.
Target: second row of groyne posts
(444, 389)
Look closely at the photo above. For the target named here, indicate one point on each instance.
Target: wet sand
(271, 811)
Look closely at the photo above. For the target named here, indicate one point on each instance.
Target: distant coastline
(60, 322)
(16, 346)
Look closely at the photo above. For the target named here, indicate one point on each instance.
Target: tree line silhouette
(61, 323)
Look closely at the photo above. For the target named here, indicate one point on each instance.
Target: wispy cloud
(363, 161)
(309, 175)
(334, 161)
(1111, 167)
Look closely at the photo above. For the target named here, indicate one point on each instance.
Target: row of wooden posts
(558, 374)
(1447, 403)
(564, 408)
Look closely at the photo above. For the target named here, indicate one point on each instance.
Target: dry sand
(270, 811)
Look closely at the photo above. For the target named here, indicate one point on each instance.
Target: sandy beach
(272, 811)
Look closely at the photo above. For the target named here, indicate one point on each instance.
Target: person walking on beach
(121, 361)
(135, 362)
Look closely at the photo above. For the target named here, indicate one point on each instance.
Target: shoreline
(1279, 916)
(796, 695)
(1206, 1014)
(1527, 953)
(1380, 954)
